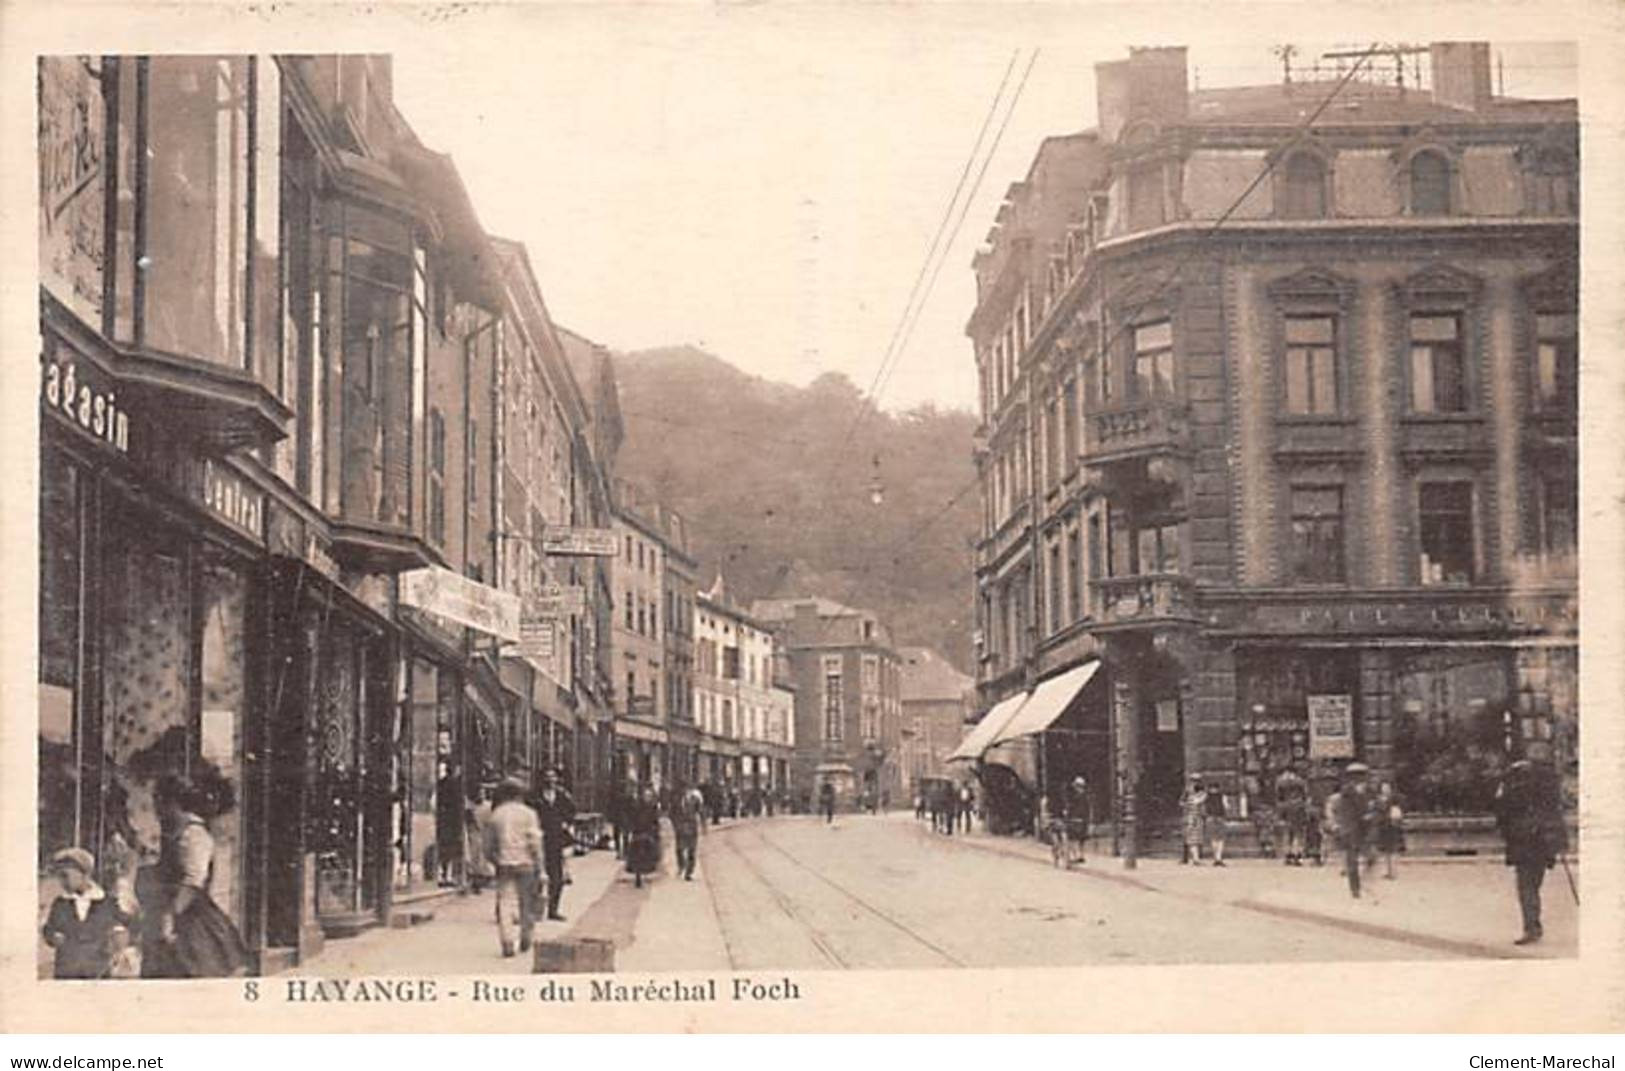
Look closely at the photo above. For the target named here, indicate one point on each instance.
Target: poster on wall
(1331, 726)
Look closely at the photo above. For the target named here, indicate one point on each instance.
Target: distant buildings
(935, 700)
(847, 709)
(745, 736)
(1305, 483)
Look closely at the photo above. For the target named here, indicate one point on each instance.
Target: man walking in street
(513, 844)
(686, 818)
(1078, 814)
(826, 801)
(555, 810)
(1529, 812)
(1353, 816)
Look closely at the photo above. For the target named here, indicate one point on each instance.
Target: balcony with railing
(1150, 600)
(1135, 430)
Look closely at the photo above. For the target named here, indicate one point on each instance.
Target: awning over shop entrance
(1049, 700)
(980, 738)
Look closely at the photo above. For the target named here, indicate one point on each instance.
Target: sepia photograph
(688, 508)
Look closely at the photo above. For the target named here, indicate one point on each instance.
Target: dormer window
(1430, 184)
(1303, 187)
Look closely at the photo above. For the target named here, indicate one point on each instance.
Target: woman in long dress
(643, 842)
(187, 935)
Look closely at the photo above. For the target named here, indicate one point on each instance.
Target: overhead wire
(870, 397)
(1164, 283)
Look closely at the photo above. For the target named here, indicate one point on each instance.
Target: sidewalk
(462, 937)
(1464, 908)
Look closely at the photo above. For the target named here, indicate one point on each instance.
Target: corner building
(1303, 483)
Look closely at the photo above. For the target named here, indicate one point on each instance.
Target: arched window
(1303, 187)
(1430, 184)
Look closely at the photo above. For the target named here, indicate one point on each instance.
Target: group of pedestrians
(129, 920)
(949, 807)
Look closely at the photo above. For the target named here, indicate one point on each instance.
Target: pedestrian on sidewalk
(1214, 812)
(1529, 813)
(1078, 814)
(188, 935)
(1260, 791)
(643, 837)
(1192, 812)
(1390, 818)
(86, 925)
(826, 801)
(513, 844)
(480, 871)
(1292, 798)
(616, 813)
(555, 810)
(967, 806)
(686, 818)
(1353, 816)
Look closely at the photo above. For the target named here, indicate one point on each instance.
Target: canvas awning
(980, 738)
(1049, 700)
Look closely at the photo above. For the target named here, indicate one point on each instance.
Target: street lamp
(877, 490)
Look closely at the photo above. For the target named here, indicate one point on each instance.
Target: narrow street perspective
(493, 532)
(886, 892)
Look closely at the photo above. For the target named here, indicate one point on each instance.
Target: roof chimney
(1150, 84)
(1461, 73)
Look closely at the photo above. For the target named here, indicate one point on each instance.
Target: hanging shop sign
(536, 639)
(1331, 726)
(589, 542)
(1167, 715)
(459, 599)
(555, 601)
(85, 396)
(232, 499)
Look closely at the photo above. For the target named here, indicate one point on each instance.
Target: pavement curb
(1450, 945)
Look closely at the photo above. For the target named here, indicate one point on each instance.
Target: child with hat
(85, 925)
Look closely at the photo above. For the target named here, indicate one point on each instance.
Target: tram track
(884, 916)
(817, 937)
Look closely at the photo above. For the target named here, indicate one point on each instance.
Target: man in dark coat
(556, 810)
(1529, 812)
(826, 800)
(1353, 811)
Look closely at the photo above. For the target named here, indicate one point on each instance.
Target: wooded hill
(775, 482)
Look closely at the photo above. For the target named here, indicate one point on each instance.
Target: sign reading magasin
(86, 396)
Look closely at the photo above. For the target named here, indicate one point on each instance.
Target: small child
(86, 926)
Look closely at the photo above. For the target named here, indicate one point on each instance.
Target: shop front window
(61, 819)
(146, 677)
(224, 708)
(1453, 712)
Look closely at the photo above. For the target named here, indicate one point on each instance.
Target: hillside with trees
(776, 484)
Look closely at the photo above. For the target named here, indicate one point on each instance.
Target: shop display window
(1454, 711)
(61, 818)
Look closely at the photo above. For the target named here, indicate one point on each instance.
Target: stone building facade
(1280, 425)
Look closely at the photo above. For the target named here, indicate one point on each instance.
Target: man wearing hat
(85, 925)
(513, 845)
(1529, 812)
(556, 810)
(1353, 820)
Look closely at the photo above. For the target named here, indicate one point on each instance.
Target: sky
(764, 183)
